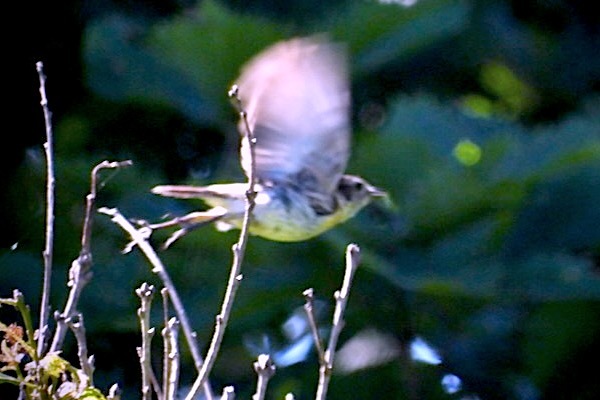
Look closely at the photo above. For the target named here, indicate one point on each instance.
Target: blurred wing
(297, 99)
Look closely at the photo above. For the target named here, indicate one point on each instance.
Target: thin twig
(146, 292)
(114, 393)
(239, 249)
(77, 326)
(312, 322)
(228, 393)
(80, 272)
(341, 301)
(48, 248)
(140, 238)
(265, 369)
(171, 360)
(86, 236)
(171, 357)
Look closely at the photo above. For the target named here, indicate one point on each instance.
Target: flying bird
(296, 98)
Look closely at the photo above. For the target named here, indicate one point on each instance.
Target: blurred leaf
(173, 63)
(524, 213)
(514, 94)
(391, 32)
(560, 213)
(563, 328)
(211, 46)
(551, 276)
(122, 67)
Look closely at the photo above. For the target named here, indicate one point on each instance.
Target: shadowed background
(481, 118)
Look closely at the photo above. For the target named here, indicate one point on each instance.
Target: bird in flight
(296, 100)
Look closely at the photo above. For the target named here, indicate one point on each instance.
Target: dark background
(481, 118)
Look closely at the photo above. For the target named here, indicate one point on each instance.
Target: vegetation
(481, 118)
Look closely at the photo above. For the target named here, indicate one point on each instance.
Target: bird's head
(353, 193)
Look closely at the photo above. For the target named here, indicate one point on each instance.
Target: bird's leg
(193, 218)
(189, 222)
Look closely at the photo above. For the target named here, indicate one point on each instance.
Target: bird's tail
(180, 191)
(218, 191)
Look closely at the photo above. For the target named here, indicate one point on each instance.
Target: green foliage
(523, 213)
(380, 35)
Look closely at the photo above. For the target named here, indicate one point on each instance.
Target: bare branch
(146, 292)
(86, 236)
(49, 241)
(341, 301)
(265, 369)
(228, 393)
(171, 361)
(239, 249)
(312, 322)
(140, 238)
(114, 393)
(171, 355)
(77, 326)
(80, 272)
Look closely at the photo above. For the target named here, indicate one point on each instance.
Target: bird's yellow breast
(283, 215)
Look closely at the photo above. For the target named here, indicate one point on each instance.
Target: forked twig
(140, 239)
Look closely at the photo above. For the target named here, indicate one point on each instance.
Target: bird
(295, 97)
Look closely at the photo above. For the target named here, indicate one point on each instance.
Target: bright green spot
(478, 105)
(513, 94)
(467, 153)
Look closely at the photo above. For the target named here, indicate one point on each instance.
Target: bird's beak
(383, 198)
(376, 192)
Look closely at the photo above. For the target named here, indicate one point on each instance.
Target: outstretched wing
(297, 99)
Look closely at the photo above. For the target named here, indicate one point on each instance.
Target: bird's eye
(358, 185)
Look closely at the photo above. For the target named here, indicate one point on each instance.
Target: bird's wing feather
(297, 99)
